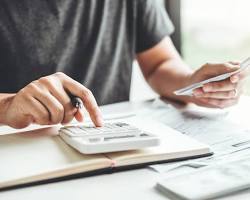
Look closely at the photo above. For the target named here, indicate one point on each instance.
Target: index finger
(239, 76)
(77, 89)
(244, 65)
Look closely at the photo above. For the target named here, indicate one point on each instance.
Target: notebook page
(41, 154)
(173, 145)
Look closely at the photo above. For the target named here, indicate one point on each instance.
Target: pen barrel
(77, 102)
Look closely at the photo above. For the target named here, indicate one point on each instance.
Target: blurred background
(206, 31)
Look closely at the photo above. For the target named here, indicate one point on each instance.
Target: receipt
(188, 91)
(220, 129)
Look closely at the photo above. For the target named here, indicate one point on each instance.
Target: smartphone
(188, 91)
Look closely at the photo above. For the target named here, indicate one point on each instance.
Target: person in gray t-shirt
(50, 50)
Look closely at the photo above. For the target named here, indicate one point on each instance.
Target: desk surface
(134, 184)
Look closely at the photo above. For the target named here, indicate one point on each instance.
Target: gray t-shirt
(92, 41)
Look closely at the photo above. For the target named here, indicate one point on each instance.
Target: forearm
(4, 103)
(169, 76)
(166, 72)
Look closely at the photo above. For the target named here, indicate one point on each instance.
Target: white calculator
(111, 137)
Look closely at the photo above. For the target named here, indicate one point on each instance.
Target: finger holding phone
(221, 84)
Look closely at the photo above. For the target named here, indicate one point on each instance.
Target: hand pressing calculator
(112, 137)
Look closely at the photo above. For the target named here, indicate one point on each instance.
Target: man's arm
(166, 72)
(4, 102)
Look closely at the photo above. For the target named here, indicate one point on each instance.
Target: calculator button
(89, 130)
(109, 132)
(75, 130)
(120, 124)
(144, 135)
(110, 126)
(94, 140)
(118, 137)
(127, 132)
(83, 128)
(93, 130)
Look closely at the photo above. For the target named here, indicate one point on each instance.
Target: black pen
(76, 102)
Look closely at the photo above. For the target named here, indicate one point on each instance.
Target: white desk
(135, 184)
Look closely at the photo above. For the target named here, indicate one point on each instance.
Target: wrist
(186, 81)
(189, 78)
(5, 100)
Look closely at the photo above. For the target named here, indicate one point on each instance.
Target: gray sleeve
(153, 24)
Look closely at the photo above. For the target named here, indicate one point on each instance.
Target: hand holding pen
(46, 101)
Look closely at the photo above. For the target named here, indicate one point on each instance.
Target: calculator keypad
(114, 128)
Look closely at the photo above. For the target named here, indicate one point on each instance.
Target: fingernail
(197, 93)
(207, 88)
(74, 111)
(234, 79)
